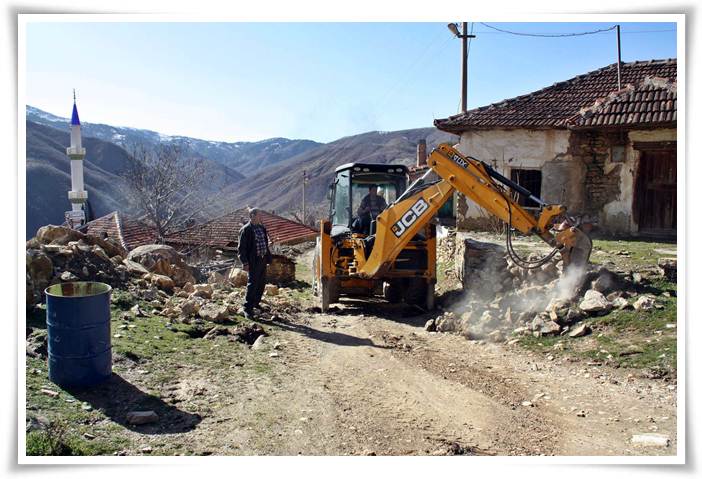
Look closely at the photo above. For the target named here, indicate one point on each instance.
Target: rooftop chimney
(422, 153)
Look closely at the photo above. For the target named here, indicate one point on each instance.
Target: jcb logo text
(410, 217)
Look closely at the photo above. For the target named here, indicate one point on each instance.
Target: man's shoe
(248, 315)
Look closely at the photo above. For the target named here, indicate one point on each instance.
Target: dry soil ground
(365, 379)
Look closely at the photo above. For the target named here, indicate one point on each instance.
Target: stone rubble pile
(58, 254)
(156, 274)
(502, 299)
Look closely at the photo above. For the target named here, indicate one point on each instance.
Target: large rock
(160, 281)
(606, 281)
(478, 258)
(550, 327)
(281, 270)
(202, 291)
(620, 303)
(135, 268)
(61, 235)
(190, 308)
(141, 417)
(594, 302)
(238, 277)
(77, 261)
(650, 439)
(644, 303)
(58, 235)
(446, 322)
(579, 331)
(669, 268)
(215, 277)
(213, 312)
(165, 260)
(40, 268)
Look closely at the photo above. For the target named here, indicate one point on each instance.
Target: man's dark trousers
(256, 283)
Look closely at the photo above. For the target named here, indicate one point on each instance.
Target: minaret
(77, 196)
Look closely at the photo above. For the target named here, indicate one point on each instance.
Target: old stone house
(604, 152)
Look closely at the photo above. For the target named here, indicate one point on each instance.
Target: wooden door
(655, 205)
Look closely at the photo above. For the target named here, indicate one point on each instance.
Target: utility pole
(464, 36)
(619, 60)
(464, 69)
(304, 183)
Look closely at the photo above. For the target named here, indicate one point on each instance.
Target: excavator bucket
(577, 247)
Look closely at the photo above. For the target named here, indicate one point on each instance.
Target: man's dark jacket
(247, 245)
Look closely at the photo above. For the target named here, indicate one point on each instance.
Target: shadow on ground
(116, 397)
(334, 337)
(399, 312)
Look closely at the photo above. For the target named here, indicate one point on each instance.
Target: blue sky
(321, 81)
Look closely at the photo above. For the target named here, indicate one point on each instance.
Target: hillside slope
(279, 188)
(242, 158)
(49, 177)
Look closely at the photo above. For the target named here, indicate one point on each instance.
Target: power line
(549, 35)
(489, 32)
(650, 31)
(406, 73)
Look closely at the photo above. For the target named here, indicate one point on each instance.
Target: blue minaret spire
(78, 196)
(74, 116)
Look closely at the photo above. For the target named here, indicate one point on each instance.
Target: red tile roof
(553, 106)
(653, 101)
(129, 232)
(223, 232)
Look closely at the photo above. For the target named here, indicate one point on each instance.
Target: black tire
(329, 293)
(392, 291)
(416, 292)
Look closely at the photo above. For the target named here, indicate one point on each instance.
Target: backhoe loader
(396, 255)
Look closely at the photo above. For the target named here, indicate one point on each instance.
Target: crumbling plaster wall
(577, 170)
(547, 150)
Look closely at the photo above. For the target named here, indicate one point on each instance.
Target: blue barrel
(78, 324)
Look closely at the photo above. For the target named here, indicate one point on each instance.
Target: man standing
(371, 206)
(254, 255)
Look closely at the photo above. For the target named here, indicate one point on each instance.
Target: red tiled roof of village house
(223, 232)
(553, 106)
(653, 101)
(129, 232)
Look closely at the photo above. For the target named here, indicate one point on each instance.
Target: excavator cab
(347, 240)
(352, 183)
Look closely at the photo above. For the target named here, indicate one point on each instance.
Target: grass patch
(630, 339)
(147, 352)
(640, 253)
(627, 338)
(54, 439)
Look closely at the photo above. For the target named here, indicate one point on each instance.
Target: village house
(222, 233)
(128, 232)
(605, 152)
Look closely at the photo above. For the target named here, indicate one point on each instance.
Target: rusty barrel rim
(77, 289)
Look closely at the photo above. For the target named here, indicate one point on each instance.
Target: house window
(618, 154)
(529, 179)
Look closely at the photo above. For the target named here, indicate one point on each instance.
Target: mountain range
(265, 173)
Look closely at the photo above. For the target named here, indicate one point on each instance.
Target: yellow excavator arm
(408, 215)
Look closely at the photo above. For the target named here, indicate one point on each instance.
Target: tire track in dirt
(357, 384)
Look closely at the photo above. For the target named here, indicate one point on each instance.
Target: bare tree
(166, 187)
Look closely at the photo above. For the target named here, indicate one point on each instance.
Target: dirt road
(367, 380)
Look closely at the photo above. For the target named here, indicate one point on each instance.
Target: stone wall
(602, 176)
